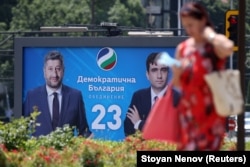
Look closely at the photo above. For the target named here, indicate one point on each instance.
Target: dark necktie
(55, 116)
(155, 99)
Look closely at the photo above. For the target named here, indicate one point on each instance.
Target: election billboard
(106, 70)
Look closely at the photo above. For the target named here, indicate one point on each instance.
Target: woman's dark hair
(197, 11)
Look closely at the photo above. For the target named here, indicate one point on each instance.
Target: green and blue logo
(106, 58)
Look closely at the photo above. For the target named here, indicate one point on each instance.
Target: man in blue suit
(59, 104)
(143, 99)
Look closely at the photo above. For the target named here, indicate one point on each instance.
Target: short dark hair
(152, 58)
(54, 55)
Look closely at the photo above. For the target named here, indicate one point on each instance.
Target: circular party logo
(106, 58)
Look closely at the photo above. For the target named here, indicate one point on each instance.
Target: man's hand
(91, 136)
(133, 115)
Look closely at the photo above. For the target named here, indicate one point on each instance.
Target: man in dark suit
(59, 104)
(143, 99)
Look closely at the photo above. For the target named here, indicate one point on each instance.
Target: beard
(54, 85)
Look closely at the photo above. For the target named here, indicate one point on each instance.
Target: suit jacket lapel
(148, 100)
(45, 108)
(146, 105)
(64, 105)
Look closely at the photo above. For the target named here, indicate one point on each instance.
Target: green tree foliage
(119, 13)
(99, 9)
(216, 10)
(32, 14)
(2, 26)
(247, 24)
(5, 13)
(5, 16)
(137, 14)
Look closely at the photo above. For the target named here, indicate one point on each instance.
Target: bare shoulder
(180, 47)
(190, 42)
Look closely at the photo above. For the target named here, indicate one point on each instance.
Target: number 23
(96, 124)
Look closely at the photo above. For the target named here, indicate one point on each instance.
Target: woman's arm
(177, 70)
(222, 45)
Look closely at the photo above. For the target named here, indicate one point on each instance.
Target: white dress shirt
(153, 95)
(159, 95)
(51, 97)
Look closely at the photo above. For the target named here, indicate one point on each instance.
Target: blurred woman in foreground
(203, 52)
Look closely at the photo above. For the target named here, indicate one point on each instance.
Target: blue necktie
(55, 116)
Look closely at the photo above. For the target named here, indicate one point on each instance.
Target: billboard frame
(22, 42)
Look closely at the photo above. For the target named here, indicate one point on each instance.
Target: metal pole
(241, 67)
(231, 4)
(231, 57)
(179, 19)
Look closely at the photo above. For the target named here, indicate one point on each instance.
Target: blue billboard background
(106, 76)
